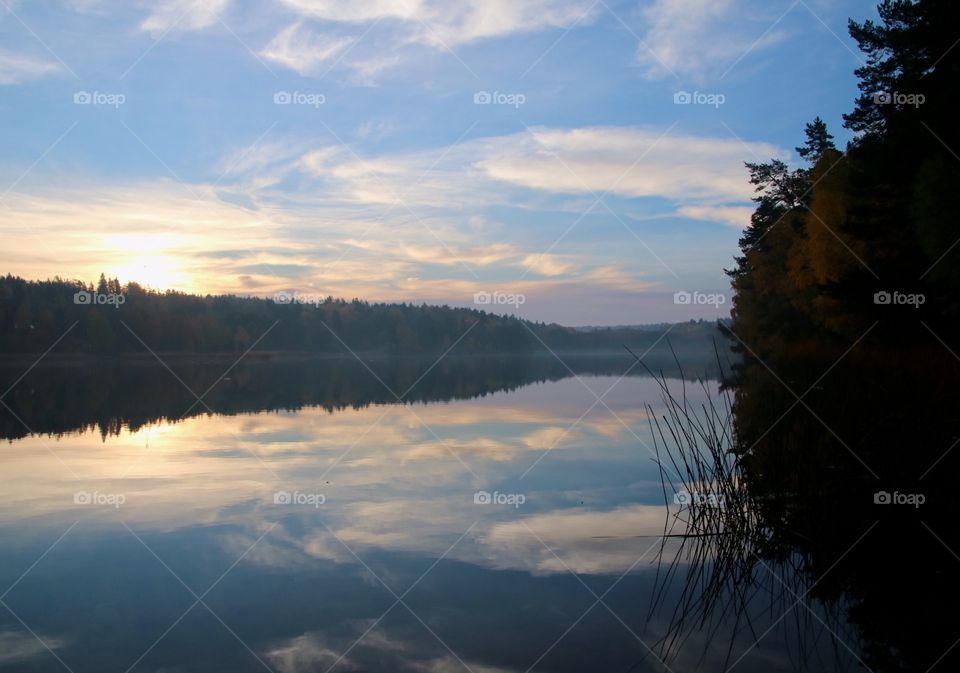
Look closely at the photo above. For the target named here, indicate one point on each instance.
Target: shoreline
(9, 359)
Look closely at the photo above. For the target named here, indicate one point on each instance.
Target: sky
(571, 161)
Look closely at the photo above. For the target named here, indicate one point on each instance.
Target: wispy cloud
(435, 225)
(702, 38)
(404, 25)
(572, 537)
(441, 24)
(182, 15)
(302, 49)
(479, 255)
(547, 265)
(306, 652)
(18, 646)
(164, 236)
(627, 162)
(735, 216)
(16, 67)
(631, 162)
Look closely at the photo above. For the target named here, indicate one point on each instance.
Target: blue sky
(411, 150)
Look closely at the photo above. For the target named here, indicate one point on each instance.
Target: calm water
(307, 521)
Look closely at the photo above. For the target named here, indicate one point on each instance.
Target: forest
(847, 286)
(109, 318)
(845, 312)
(866, 234)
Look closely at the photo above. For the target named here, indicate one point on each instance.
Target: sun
(154, 271)
(149, 260)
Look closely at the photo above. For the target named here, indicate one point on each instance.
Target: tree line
(112, 318)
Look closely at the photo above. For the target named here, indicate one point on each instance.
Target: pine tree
(819, 140)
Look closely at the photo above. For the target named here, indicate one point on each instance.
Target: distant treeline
(113, 318)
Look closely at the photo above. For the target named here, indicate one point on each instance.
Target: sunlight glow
(148, 260)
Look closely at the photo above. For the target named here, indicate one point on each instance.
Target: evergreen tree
(819, 141)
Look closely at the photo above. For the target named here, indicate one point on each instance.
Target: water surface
(313, 522)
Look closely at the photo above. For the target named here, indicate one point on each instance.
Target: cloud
(302, 49)
(455, 23)
(395, 226)
(435, 178)
(147, 233)
(478, 255)
(16, 68)
(366, 70)
(19, 646)
(306, 652)
(547, 438)
(627, 161)
(182, 15)
(164, 236)
(483, 448)
(345, 11)
(546, 265)
(584, 541)
(701, 38)
(262, 165)
(442, 24)
(735, 216)
(85, 6)
(375, 130)
(612, 275)
(370, 649)
(396, 28)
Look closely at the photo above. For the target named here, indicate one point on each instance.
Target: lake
(484, 515)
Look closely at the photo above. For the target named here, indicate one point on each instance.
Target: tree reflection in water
(812, 527)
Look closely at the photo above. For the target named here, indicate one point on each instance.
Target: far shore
(145, 357)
